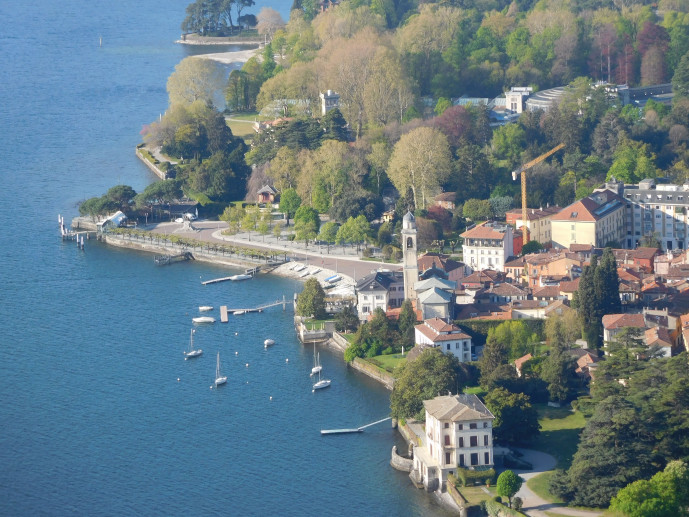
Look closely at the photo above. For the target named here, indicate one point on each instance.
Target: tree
(269, 21)
(194, 79)
(328, 233)
(306, 214)
(516, 420)
(406, 322)
(614, 450)
(666, 493)
(347, 319)
(122, 196)
(311, 301)
(420, 160)
(531, 247)
(477, 209)
(289, 203)
(680, 79)
(431, 373)
(508, 484)
(494, 356)
(558, 371)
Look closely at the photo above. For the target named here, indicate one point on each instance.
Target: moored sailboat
(219, 378)
(192, 352)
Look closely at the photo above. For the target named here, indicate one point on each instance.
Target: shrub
(472, 477)
(367, 253)
(517, 504)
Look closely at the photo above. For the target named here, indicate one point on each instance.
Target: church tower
(411, 267)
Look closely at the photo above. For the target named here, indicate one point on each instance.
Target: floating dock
(350, 431)
(224, 311)
(223, 314)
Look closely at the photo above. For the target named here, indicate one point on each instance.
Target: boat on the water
(322, 383)
(238, 313)
(205, 308)
(203, 319)
(316, 362)
(242, 276)
(219, 378)
(192, 352)
(268, 342)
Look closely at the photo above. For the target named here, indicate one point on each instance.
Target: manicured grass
(560, 428)
(475, 390)
(539, 485)
(314, 324)
(475, 494)
(388, 362)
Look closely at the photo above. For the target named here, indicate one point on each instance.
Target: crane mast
(522, 170)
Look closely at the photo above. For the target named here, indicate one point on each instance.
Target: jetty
(224, 311)
(355, 430)
(250, 271)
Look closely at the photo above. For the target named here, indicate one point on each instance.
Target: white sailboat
(316, 362)
(192, 352)
(268, 342)
(219, 379)
(322, 383)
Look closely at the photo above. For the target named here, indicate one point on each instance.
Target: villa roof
(457, 408)
(435, 296)
(435, 282)
(618, 321)
(484, 231)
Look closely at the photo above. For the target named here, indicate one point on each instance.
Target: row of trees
(217, 17)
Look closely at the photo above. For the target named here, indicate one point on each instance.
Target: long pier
(224, 311)
(357, 430)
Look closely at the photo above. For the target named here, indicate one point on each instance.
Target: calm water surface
(100, 414)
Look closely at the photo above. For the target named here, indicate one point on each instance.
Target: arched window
(410, 243)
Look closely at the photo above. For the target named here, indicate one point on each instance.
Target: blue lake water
(94, 420)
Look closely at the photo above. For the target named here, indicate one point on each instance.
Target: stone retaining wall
(384, 378)
(400, 463)
(338, 342)
(161, 174)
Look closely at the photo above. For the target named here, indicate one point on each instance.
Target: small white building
(459, 433)
(446, 336)
(381, 289)
(488, 246)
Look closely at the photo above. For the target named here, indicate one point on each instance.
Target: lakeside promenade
(341, 260)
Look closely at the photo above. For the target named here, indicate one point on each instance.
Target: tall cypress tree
(607, 285)
(586, 298)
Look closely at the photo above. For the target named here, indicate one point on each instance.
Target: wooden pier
(224, 311)
(350, 431)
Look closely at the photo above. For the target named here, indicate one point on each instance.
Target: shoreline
(232, 57)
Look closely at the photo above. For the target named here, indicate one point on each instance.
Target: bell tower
(409, 260)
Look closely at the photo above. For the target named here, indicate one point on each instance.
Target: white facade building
(381, 289)
(488, 246)
(445, 336)
(459, 433)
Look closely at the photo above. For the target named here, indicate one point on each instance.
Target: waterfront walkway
(344, 260)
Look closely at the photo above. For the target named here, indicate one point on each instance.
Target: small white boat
(316, 271)
(219, 379)
(300, 267)
(192, 352)
(322, 383)
(268, 342)
(316, 362)
(238, 313)
(205, 308)
(203, 319)
(234, 278)
(305, 273)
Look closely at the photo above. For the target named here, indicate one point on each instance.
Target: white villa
(446, 336)
(459, 433)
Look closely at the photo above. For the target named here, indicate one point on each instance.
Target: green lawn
(388, 362)
(560, 428)
(475, 494)
(475, 390)
(242, 124)
(314, 324)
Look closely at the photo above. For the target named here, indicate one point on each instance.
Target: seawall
(161, 174)
(374, 372)
(399, 462)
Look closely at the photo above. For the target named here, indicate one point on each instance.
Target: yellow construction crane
(522, 170)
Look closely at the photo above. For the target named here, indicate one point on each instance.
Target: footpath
(534, 505)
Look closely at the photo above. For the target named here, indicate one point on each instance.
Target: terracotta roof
(482, 277)
(457, 408)
(435, 337)
(551, 291)
(440, 326)
(533, 214)
(581, 248)
(569, 286)
(618, 321)
(592, 208)
(483, 231)
(515, 263)
(519, 362)
(658, 336)
(506, 289)
(443, 262)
